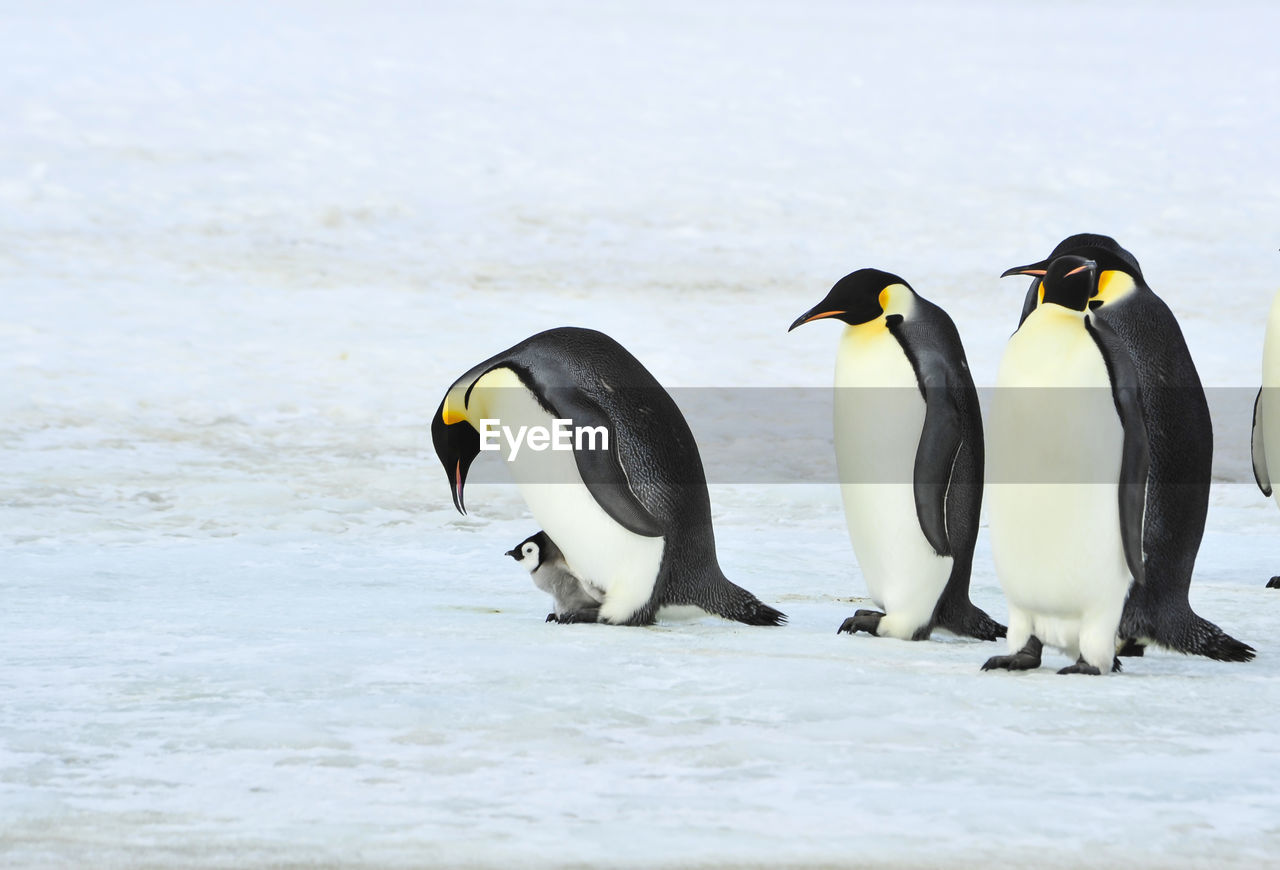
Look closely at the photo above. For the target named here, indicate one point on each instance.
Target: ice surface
(245, 249)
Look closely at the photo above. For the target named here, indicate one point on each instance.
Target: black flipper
(936, 453)
(1259, 449)
(602, 470)
(1135, 455)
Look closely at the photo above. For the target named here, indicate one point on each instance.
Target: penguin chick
(574, 600)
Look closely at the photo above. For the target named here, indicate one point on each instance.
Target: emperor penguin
(1067, 477)
(628, 504)
(1180, 434)
(1266, 414)
(574, 600)
(908, 435)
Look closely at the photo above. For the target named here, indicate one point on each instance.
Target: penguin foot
(589, 614)
(1131, 649)
(1274, 583)
(862, 620)
(1082, 667)
(1025, 659)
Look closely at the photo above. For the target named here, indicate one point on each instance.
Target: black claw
(570, 617)
(551, 617)
(1025, 659)
(1082, 667)
(1274, 582)
(862, 620)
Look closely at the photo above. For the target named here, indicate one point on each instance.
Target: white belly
(619, 563)
(879, 415)
(1271, 397)
(1053, 466)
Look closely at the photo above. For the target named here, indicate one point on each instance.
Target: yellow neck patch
(894, 299)
(453, 412)
(458, 407)
(897, 299)
(488, 392)
(1113, 286)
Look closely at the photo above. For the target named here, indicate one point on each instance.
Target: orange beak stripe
(820, 316)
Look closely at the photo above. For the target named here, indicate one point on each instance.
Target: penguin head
(1103, 250)
(1070, 281)
(457, 444)
(1111, 260)
(533, 551)
(859, 297)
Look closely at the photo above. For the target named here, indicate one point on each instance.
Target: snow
(246, 249)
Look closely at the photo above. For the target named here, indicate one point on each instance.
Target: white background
(243, 251)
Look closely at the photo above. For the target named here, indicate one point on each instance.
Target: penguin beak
(514, 554)
(457, 445)
(818, 312)
(1035, 270)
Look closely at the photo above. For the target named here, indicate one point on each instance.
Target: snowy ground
(245, 250)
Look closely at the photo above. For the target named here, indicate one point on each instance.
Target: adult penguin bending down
(628, 504)
(1180, 434)
(909, 450)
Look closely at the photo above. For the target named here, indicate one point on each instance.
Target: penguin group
(1095, 464)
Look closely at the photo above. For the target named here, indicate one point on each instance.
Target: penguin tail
(1202, 638)
(756, 612)
(727, 599)
(971, 621)
(978, 624)
(1222, 647)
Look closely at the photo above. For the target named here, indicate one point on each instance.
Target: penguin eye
(529, 549)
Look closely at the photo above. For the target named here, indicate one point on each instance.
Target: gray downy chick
(575, 601)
